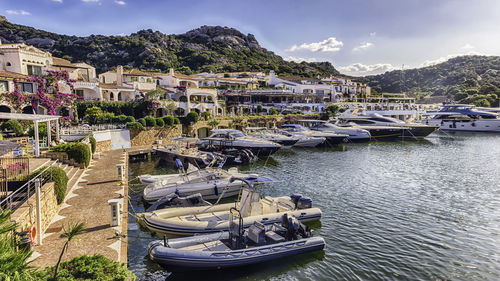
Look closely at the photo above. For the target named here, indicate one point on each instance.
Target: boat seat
(256, 233)
(256, 209)
(216, 246)
(273, 237)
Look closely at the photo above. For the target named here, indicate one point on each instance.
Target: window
(79, 93)
(133, 78)
(111, 96)
(34, 70)
(9, 64)
(4, 86)
(27, 87)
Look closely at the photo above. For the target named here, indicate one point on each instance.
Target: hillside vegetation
(208, 48)
(465, 79)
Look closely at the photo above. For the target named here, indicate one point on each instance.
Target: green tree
(170, 107)
(70, 231)
(213, 123)
(191, 118)
(273, 111)
(155, 95)
(260, 108)
(205, 115)
(93, 114)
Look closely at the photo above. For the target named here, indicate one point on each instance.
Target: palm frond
(73, 229)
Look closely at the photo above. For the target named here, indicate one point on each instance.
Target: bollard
(115, 212)
(121, 171)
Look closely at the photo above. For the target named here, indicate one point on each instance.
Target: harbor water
(425, 210)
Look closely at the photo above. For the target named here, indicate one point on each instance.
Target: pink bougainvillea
(47, 93)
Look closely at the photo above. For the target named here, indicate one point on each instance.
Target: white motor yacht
(330, 137)
(353, 134)
(266, 134)
(222, 139)
(460, 117)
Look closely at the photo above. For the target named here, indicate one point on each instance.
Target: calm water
(427, 210)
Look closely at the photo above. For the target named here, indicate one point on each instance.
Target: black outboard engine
(295, 198)
(294, 228)
(304, 203)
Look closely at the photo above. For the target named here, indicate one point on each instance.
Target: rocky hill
(466, 79)
(208, 48)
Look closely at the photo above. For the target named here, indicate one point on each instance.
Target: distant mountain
(466, 79)
(208, 48)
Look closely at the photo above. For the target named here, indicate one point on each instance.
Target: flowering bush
(47, 94)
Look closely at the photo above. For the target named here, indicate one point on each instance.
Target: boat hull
(181, 260)
(472, 125)
(173, 226)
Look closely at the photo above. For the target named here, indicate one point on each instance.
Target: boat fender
(216, 190)
(177, 191)
(178, 163)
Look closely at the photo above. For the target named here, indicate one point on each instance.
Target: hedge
(136, 109)
(96, 267)
(150, 121)
(136, 126)
(59, 178)
(142, 122)
(168, 120)
(130, 119)
(160, 122)
(15, 126)
(177, 121)
(93, 143)
(77, 151)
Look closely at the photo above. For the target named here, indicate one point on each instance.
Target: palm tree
(70, 231)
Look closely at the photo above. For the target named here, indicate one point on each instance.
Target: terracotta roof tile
(13, 75)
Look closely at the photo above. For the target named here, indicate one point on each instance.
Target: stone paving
(87, 202)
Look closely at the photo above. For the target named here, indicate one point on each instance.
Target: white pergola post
(49, 135)
(37, 140)
(57, 129)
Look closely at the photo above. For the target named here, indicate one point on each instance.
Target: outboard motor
(295, 198)
(304, 203)
(294, 228)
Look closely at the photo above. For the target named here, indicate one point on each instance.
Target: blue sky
(358, 37)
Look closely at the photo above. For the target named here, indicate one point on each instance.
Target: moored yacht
(222, 139)
(353, 134)
(265, 134)
(330, 137)
(460, 117)
(387, 127)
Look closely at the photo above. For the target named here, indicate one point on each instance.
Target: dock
(87, 202)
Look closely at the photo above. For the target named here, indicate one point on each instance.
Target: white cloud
(18, 12)
(362, 46)
(373, 34)
(299, 59)
(359, 69)
(329, 45)
(119, 2)
(58, 1)
(445, 58)
(467, 47)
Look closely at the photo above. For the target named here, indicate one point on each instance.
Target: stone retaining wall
(152, 135)
(25, 215)
(102, 146)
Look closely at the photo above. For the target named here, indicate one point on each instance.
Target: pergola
(36, 118)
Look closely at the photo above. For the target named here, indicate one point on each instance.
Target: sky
(359, 37)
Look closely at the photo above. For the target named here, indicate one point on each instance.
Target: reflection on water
(424, 210)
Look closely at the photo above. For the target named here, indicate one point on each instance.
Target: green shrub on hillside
(160, 122)
(130, 119)
(93, 143)
(176, 121)
(15, 126)
(205, 115)
(77, 151)
(142, 121)
(150, 121)
(135, 126)
(59, 178)
(96, 267)
(191, 118)
(168, 120)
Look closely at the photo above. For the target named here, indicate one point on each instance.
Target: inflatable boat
(210, 182)
(215, 218)
(236, 247)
